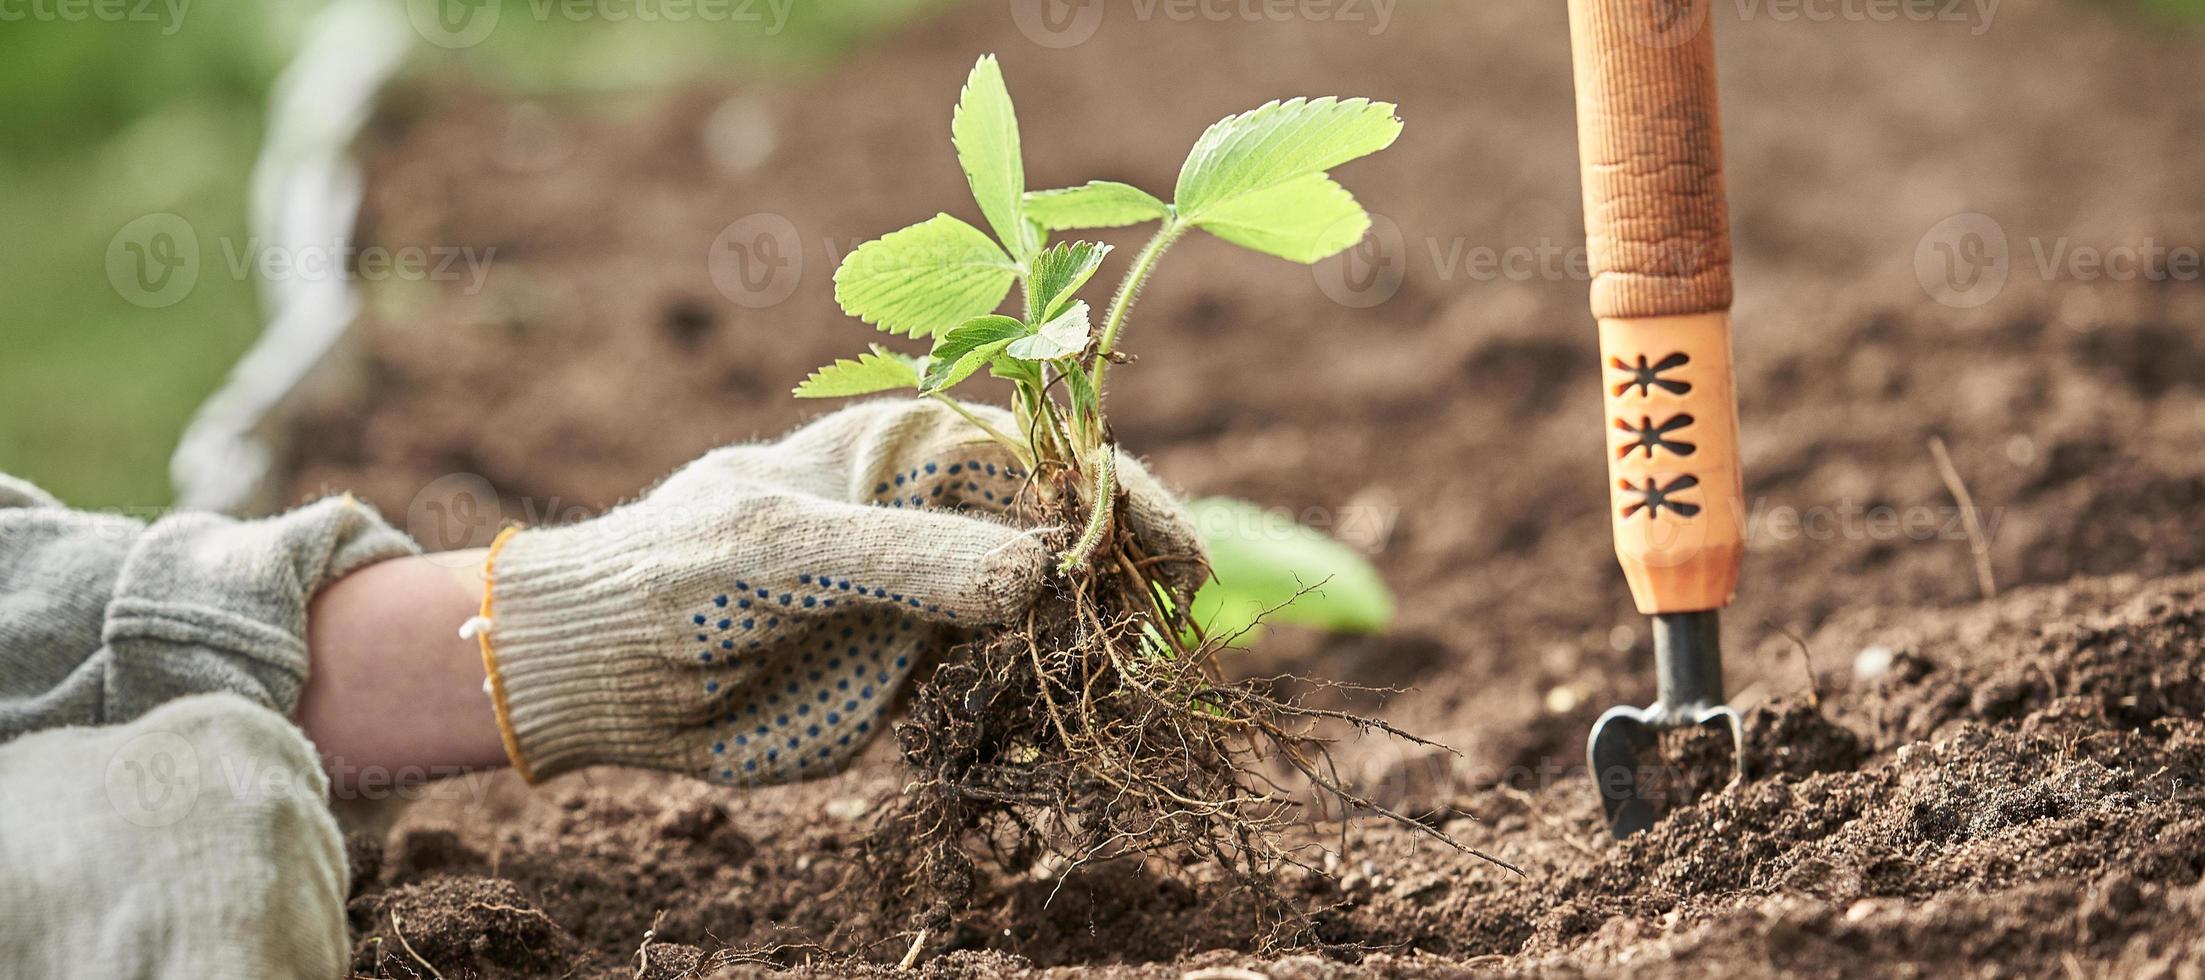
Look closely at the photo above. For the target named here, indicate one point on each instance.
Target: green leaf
(968, 348)
(1016, 371)
(1062, 337)
(984, 129)
(864, 376)
(1279, 142)
(1081, 388)
(1095, 204)
(916, 363)
(1263, 559)
(924, 279)
(1305, 219)
(1058, 272)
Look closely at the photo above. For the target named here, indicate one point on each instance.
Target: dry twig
(1978, 542)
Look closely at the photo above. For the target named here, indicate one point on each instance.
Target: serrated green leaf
(1016, 371)
(1095, 204)
(1059, 271)
(924, 279)
(1263, 559)
(1061, 337)
(1305, 219)
(968, 348)
(984, 128)
(917, 363)
(1080, 387)
(864, 376)
(1276, 143)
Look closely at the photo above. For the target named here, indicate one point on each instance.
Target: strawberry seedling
(1102, 724)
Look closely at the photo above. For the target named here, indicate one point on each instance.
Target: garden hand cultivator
(1657, 231)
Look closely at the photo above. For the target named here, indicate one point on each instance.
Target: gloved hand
(750, 618)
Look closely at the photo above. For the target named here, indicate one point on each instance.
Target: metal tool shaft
(1688, 661)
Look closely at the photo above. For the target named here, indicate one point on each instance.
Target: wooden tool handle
(1650, 149)
(1658, 234)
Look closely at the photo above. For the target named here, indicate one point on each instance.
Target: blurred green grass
(109, 121)
(105, 122)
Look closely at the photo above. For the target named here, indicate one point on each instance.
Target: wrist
(575, 659)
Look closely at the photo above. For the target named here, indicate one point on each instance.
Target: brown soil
(2003, 787)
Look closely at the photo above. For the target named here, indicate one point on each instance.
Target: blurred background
(160, 108)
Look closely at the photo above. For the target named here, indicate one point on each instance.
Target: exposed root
(399, 931)
(1101, 727)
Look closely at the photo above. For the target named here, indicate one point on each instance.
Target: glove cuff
(575, 664)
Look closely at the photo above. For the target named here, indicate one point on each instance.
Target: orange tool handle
(1658, 233)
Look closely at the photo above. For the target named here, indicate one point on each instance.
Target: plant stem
(1105, 467)
(1120, 304)
(1017, 448)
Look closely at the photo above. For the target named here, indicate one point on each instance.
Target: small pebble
(1872, 662)
(1223, 973)
(1562, 700)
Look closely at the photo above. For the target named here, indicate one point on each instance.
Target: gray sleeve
(103, 618)
(145, 855)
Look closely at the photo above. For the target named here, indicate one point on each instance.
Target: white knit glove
(750, 618)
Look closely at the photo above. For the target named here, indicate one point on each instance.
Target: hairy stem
(1105, 488)
(1122, 303)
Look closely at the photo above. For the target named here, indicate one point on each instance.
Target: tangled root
(1102, 727)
